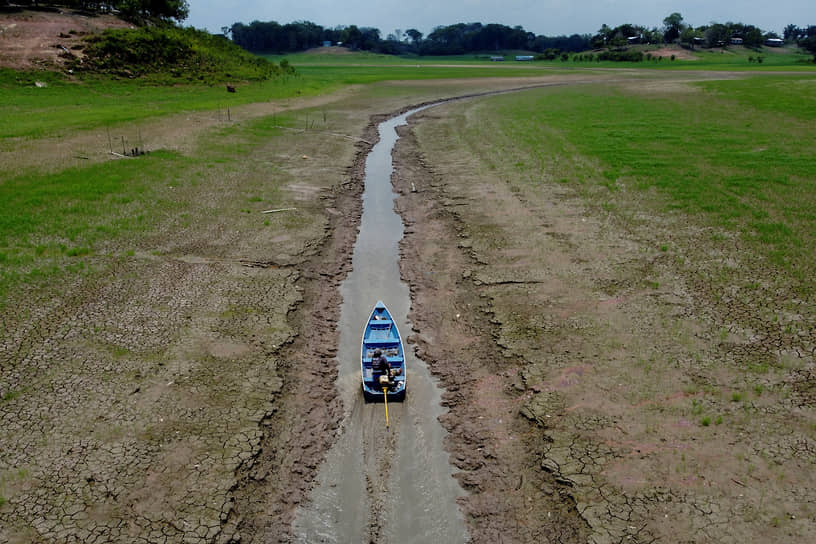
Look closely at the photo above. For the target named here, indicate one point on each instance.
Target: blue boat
(381, 338)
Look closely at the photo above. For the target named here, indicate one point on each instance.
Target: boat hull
(380, 332)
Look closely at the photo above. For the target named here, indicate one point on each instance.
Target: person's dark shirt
(381, 364)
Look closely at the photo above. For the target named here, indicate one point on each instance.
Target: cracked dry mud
(179, 395)
(177, 391)
(580, 359)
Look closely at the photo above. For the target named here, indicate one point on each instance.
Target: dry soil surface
(599, 389)
(183, 391)
(42, 39)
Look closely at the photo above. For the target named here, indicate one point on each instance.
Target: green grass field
(739, 155)
(63, 106)
(32, 112)
(47, 222)
(55, 224)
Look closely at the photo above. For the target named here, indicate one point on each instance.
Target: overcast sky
(548, 17)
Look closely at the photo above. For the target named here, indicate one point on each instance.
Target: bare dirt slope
(39, 39)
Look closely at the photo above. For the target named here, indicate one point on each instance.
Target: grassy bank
(65, 105)
(737, 155)
(94, 101)
(57, 224)
(645, 258)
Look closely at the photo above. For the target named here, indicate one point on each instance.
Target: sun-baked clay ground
(182, 392)
(181, 389)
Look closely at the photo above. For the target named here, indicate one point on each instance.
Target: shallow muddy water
(378, 483)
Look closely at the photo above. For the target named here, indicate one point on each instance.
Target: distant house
(736, 41)
(497, 58)
(774, 42)
(524, 57)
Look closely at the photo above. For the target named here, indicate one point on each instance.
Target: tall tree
(791, 33)
(672, 27)
(415, 35)
(159, 9)
(809, 41)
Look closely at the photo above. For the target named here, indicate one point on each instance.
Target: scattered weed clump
(9, 396)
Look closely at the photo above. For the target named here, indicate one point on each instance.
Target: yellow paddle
(385, 396)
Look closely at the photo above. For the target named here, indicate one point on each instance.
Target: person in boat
(380, 364)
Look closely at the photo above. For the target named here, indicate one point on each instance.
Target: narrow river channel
(378, 484)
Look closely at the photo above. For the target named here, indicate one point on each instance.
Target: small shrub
(705, 422)
(621, 56)
(736, 397)
(78, 251)
(10, 395)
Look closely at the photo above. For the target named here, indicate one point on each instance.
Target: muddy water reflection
(378, 484)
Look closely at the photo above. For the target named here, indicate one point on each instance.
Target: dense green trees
(454, 39)
(465, 38)
(134, 9)
(806, 38)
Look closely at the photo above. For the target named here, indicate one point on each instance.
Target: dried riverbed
(184, 389)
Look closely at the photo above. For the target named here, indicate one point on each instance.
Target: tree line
(457, 39)
(465, 38)
(129, 9)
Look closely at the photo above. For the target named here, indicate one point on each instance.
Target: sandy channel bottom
(383, 484)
